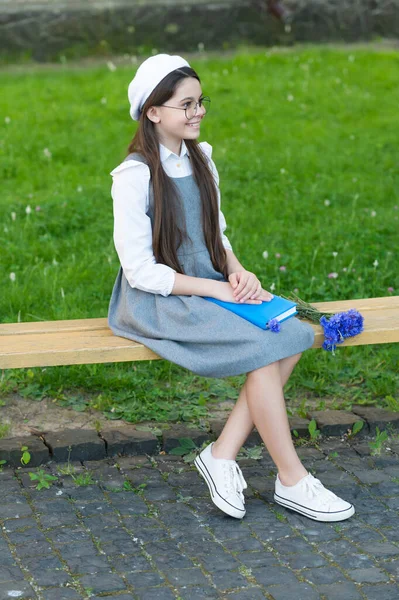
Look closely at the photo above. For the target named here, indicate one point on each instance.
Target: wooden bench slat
(95, 343)
(53, 326)
(73, 348)
(363, 305)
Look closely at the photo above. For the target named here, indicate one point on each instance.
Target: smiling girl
(169, 236)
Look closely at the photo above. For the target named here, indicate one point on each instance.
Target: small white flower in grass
(375, 263)
(282, 171)
(327, 202)
(13, 216)
(278, 255)
(6, 229)
(265, 254)
(7, 120)
(103, 100)
(79, 188)
(344, 269)
(12, 276)
(47, 153)
(111, 66)
(28, 210)
(272, 287)
(373, 213)
(335, 254)
(332, 275)
(290, 97)
(55, 262)
(62, 293)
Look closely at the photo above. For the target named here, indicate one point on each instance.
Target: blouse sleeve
(207, 149)
(133, 231)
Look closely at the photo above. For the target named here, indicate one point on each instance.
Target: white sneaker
(225, 482)
(309, 497)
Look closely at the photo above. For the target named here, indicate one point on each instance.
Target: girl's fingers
(257, 293)
(241, 293)
(250, 287)
(264, 295)
(267, 295)
(248, 295)
(239, 289)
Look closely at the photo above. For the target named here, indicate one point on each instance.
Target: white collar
(165, 152)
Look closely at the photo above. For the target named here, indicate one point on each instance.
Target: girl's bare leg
(239, 423)
(261, 402)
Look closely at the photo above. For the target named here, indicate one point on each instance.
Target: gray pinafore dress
(190, 331)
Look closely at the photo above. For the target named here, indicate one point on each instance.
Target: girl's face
(171, 124)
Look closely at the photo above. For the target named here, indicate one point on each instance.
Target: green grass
(290, 130)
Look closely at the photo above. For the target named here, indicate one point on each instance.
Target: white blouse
(132, 226)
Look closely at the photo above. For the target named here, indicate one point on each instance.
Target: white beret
(147, 77)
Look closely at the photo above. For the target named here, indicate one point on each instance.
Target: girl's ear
(153, 114)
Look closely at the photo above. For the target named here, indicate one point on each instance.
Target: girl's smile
(194, 125)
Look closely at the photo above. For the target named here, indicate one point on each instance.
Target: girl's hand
(223, 291)
(247, 287)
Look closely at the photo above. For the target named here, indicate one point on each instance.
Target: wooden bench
(86, 341)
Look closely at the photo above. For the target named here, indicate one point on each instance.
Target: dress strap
(136, 156)
(139, 158)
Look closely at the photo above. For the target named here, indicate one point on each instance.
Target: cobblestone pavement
(145, 528)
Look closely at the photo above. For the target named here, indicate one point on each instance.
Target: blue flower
(341, 326)
(274, 325)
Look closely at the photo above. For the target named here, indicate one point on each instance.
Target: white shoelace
(236, 482)
(315, 489)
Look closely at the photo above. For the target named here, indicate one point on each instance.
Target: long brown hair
(166, 233)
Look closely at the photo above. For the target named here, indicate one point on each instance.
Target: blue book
(260, 314)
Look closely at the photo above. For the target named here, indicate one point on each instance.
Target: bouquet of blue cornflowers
(337, 327)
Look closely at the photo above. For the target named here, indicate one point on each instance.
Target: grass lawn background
(305, 141)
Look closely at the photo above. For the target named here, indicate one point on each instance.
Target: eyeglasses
(191, 107)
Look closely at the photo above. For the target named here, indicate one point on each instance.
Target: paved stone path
(164, 539)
